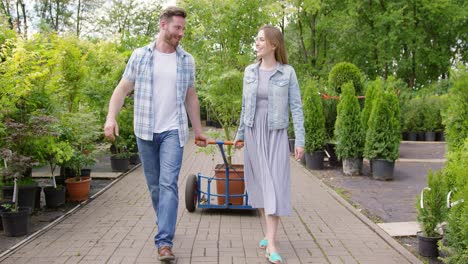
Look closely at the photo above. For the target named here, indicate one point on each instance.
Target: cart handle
(219, 142)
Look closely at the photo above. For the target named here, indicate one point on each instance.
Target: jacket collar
(279, 67)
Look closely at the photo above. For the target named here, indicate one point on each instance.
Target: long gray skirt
(266, 166)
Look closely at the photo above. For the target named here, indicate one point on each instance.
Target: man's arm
(111, 128)
(193, 110)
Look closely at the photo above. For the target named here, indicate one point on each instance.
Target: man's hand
(298, 153)
(201, 140)
(111, 129)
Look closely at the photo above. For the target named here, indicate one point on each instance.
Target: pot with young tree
(124, 146)
(78, 187)
(54, 152)
(349, 133)
(19, 139)
(432, 209)
(314, 124)
(81, 130)
(15, 218)
(383, 135)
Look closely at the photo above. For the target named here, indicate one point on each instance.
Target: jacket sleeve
(295, 104)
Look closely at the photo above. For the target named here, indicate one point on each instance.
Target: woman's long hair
(275, 38)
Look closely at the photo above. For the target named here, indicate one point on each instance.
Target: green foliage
(432, 119)
(455, 117)
(348, 127)
(314, 120)
(223, 97)
(434, 207)
(413, 115)
(344, 72)
(383, 134)
(457, 218)
(126, 143)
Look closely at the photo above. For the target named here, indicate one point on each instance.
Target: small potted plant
(54, 152)
(15, 219)
(383, 135)
(431, 206)
(78, 187)
(314, 124)
(348, 132)
(120, 159)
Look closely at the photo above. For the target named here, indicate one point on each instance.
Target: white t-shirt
(165, 92)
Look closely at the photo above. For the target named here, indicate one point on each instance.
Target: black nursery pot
(16, 223)
(54, 197)
(428, 245)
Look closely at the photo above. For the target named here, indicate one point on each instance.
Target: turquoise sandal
(274, 257)
(263, 244)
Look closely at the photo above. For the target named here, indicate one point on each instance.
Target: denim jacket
(283, 95)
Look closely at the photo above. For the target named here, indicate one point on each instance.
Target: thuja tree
(455, 117)
(369, 100)
(314, 120)
(383, 134)
(348, 129)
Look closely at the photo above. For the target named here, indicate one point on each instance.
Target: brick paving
(118, 227)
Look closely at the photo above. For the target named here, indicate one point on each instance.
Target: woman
(270, 90)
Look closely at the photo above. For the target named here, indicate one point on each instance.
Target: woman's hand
(238, 144)
(298, 153)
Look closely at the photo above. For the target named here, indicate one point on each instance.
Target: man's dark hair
(171, 11)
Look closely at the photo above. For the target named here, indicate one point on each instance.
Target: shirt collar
(179, 50)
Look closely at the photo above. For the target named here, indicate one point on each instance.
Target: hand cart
(196, 197)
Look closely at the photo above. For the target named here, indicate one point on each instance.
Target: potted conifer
(383, 135)
(348, 131)
(432, 209)
(314, 124)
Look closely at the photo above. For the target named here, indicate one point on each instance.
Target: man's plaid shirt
(140, 71)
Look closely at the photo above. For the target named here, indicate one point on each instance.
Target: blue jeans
(162, 159)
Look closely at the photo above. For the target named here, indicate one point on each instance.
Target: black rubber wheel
(191, 190)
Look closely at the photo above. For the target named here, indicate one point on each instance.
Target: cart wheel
(191, 190)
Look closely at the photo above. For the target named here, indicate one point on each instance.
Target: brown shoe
(165, 253)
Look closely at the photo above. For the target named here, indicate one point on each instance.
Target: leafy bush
(314, 121)
(455, 117)
(413, 117)
(431, 115)
(383, 135)
(433, 209)
(223, 96)
(348, 127)
(344, 72)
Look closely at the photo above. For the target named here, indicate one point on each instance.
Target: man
(162, 75)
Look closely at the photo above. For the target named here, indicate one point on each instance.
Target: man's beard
(170, 39)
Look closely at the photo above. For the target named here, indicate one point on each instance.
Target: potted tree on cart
(221, 90)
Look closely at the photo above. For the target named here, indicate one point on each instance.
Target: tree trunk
(301, 36)
(78, 19)
(313, 38)
(6, 10)
(25, 20)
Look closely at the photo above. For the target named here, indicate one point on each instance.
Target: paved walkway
(118, 227)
